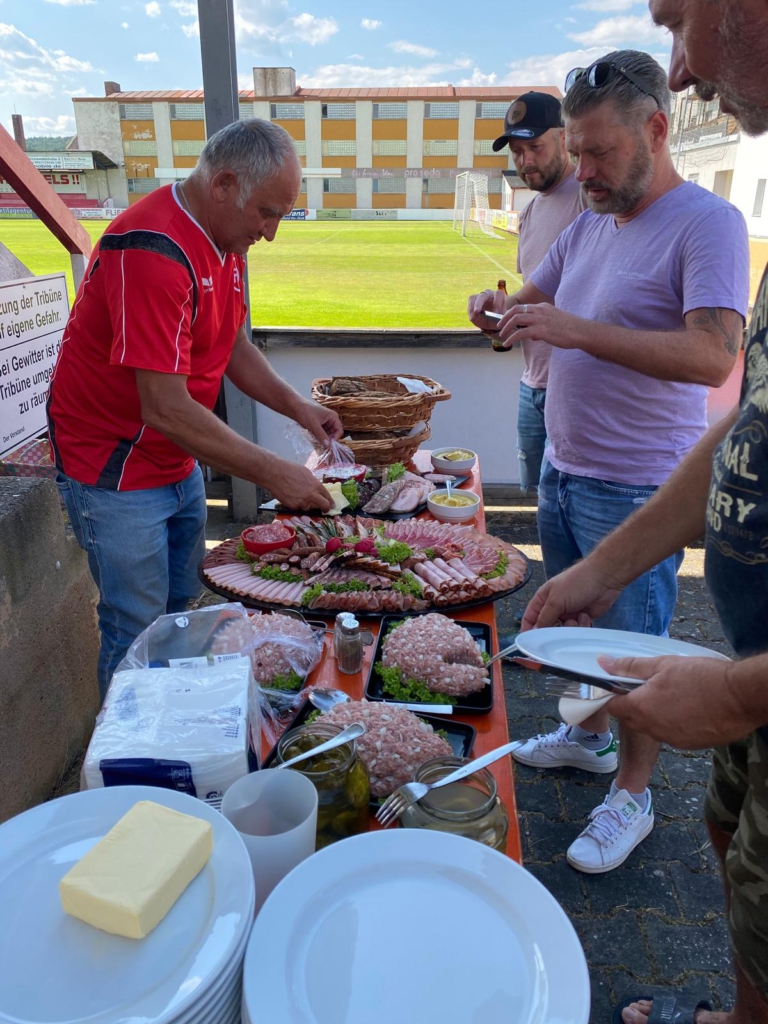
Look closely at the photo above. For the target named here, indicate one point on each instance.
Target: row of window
(431, 186)
(330, 147)
(398, 147)
(181, 147)
(330, 111)
(397, 185)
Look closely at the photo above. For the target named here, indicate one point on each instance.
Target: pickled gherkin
(339, 776)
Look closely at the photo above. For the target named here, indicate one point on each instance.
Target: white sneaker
(615, 828)
(555, 750)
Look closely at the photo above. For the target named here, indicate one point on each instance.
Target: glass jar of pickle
(339, 776)
(469, 808)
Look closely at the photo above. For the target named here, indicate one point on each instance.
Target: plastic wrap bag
(329, 462)
(283, 650)
(195, 639)
(182, 728)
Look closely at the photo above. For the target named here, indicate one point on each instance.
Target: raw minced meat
(395, 743)
(277, 644)
(434, 650)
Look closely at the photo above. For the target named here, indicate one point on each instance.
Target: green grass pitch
(406, 274)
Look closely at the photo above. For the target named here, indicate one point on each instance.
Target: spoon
(448, 486)
(324, 699)
(352, 732)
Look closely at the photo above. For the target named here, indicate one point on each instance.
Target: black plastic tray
(391, 517)
(460, 735)
(479, 703)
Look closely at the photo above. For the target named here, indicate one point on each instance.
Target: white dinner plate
(413, 926)
(577, 649)
(219, 994)
(55, 969)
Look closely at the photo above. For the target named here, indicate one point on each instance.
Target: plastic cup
(275, 812)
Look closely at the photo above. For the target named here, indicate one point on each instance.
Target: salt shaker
(350, 653)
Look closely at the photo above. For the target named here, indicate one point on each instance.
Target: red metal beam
(25, 179)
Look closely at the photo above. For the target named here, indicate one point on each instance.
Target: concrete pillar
(162, 115)
(314, 193)
(414, 148)
(364, 133)
(466, 148)
(313, 119)
(261, 109)
(364, 192)
(413, 195)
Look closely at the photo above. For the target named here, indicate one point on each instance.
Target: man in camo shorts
(720, 47)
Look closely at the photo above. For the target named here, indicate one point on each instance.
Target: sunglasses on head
(601, 72)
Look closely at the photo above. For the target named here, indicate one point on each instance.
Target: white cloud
(82, 91)
(312, 30)
(152, 10)
(607, 5)
(62, 125)
(187, 9)
(401, 46)
(355, 56)
(62, 62)
(571, 21)
(479, 78)
(370, 24)
(191, 30)
(615, 32)
(358, 76)
(551, 68)
(124, 24)
(71, 3)
(28, 69)
(147, 58)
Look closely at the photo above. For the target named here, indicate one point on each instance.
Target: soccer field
(408, 274)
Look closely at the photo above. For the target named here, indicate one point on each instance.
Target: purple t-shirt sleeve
(715, 265)
(546, 277)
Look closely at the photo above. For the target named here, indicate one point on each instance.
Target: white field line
(507, 271)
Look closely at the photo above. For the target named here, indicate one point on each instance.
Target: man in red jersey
(157, 322)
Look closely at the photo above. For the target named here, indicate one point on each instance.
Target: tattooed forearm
(711, 319)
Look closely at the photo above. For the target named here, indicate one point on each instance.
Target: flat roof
(438, 92)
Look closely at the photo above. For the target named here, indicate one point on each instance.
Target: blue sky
(52, 50)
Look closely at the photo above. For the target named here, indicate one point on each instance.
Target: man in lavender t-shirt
(536, 138)
(644, 298)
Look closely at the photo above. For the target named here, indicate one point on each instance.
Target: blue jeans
(531, 436)
(575, 513)
(143, 551)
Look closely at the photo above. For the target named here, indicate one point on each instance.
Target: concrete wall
(98, 127)
(751, 165)
(481, 414)
(48, 645)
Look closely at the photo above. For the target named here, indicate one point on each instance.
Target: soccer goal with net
(470, 205)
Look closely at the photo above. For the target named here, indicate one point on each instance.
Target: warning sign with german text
(33, 315)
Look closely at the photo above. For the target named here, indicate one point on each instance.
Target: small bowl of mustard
(458, 507)
(453, 460)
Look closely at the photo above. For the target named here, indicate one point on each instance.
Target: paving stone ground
(657, 921)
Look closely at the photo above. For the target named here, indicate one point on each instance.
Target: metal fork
(410, 793)
(558, 686)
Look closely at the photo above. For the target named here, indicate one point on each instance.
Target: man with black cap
(534, 131)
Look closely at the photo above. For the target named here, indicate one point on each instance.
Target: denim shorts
(575, 513)
(143, 550)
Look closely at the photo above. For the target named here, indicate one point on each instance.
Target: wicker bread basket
(388, 450)
(399, 410)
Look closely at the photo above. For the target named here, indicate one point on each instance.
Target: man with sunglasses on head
(643, 299)
(534, 131)
(720, 492)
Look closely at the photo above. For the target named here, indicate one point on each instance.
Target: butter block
(339, 501)
(131, 878)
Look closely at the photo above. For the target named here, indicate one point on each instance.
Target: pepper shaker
(350, 654)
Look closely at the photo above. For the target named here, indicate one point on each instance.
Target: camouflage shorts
(737, 802)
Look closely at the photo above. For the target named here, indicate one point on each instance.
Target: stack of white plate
(413, 926)
(55, 969)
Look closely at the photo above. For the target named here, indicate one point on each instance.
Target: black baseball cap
(530, 116)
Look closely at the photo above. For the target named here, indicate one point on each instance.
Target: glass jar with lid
(339, 776)
(469, 808)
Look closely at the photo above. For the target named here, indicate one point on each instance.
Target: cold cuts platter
(369, 567)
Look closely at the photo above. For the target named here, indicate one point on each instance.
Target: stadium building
(363, 149)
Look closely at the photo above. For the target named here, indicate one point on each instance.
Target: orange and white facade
(363, 149)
